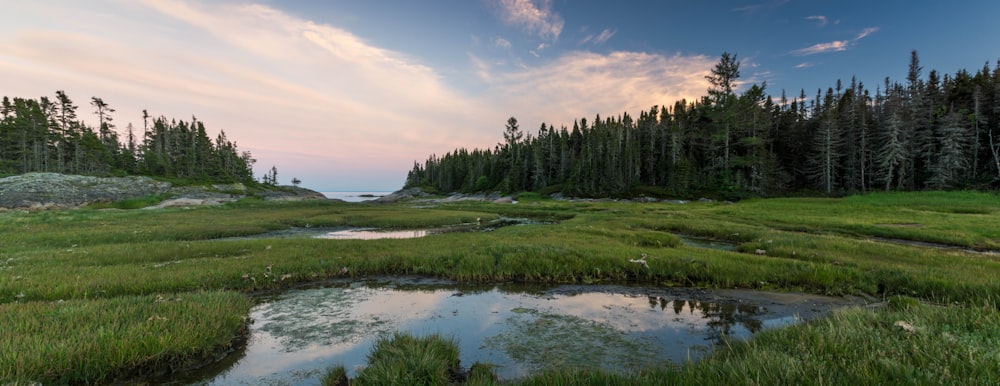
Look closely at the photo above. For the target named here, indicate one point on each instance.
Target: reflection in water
(296, 335)
(371, 234)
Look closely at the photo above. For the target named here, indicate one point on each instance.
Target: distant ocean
(355, 196)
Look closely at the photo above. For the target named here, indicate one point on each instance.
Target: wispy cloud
(760, 6)
(537, 52)
(866, 32)
(600, 38)
(501, 42)
(834, 46)
(805, 65)
(820, 19)
(538, 19)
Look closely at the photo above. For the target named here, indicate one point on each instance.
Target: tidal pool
(296, 335)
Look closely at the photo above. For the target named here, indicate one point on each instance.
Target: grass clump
(404, 359)
(335, 376)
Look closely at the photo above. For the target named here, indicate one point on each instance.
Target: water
(295, 336)
(704, 242)
(355, 196)
(372, 234)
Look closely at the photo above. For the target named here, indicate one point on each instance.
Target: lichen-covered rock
(58, 191)
(290, 193)
(400, 195)
(61, 191)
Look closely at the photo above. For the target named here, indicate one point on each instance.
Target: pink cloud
(536, 19)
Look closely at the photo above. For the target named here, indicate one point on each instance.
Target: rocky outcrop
(60, 191)
(400, 195)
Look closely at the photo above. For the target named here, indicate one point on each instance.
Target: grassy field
(95, 295)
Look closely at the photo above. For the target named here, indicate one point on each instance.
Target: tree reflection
(722, 317)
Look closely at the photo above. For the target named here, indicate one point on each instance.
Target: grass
(98, 341)
(403, 359)
(77, 264)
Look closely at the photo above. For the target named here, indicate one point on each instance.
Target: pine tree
(951, 159)
(893, 153)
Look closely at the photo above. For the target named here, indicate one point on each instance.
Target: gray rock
(400, 195)
(59, 191)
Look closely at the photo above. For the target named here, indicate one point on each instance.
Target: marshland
(104, 295)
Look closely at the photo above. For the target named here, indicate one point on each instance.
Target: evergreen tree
(952, 157)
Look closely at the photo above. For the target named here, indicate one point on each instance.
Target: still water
(355, 196)
(296, 335)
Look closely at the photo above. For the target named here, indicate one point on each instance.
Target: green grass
(99, 340)
(403, 359)
(83, 262)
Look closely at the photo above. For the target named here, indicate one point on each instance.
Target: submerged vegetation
(89, 296)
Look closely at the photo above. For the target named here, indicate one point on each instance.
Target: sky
(345, 95)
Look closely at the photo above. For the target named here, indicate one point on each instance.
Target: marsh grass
(97, 341)
(403, 359)
(88, 258)
(918, 344)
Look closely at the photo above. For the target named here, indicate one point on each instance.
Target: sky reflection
(297, 335)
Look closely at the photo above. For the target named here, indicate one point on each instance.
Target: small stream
(296, 335)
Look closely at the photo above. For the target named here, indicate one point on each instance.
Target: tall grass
(100, 340)
(403, 359)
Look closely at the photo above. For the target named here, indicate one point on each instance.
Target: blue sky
(346, 95)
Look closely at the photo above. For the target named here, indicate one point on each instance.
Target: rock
(290, 193)
(400, 195)
(175, 202)
(60, 191)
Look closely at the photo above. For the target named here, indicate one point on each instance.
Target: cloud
(834, 46)
(805, 65)
(866, 32)
(600, 38)
(583, 84)
(759, 6)
(317, 101)
(535, 19)
(537, 52)
(501, 42)
(820, 19)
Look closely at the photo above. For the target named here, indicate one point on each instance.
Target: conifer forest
(929, 131)
(48, 135)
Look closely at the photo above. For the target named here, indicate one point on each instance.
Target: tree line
(46, 135)
(933, 132)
